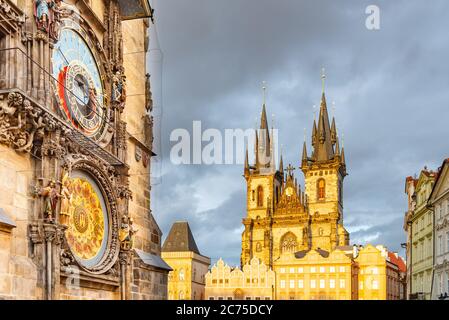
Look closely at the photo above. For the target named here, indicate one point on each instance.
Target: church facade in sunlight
(299, 233)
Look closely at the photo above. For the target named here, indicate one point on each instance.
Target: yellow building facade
(255, 281)
(186, 281)
(420, 233)
(316, 275)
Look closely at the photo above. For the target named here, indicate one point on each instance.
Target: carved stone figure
(126, 233)
(42, 13)
(66, 195)
(51, 196)
(119, 89)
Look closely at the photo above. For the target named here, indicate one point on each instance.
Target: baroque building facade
(300, 235)
(255, 281)
(186, 280)
(419, 226)
(439, 202)
(75, 139)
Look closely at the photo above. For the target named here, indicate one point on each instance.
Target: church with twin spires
(281, 217)
(294, 243)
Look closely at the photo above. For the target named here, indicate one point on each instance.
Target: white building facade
(439, 201)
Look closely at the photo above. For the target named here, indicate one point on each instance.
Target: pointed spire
(337, 147)
(323, 146)
(333, 131)
(304, 154)
(314, 132)
(256, 149)
(246, 170)
(343, 160)
(281, 165)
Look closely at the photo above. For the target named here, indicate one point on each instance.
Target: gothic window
(321, 186)
(260, 196)
(320, 231)
(288, 243)
(258, 247)
(253, 195)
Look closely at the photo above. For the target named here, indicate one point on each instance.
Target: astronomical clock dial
(79, 87)
(87, 218)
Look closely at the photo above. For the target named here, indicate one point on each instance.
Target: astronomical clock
(65, 104)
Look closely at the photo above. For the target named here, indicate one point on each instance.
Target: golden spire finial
(323, 77)
(264, 88)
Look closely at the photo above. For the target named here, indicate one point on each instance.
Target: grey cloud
(389, 87)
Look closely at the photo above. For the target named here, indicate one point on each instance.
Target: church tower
(276, 219)
(263, 187)
(324, 171)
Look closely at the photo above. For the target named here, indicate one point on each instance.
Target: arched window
(288, 243)
(321, 186)
(260, 196)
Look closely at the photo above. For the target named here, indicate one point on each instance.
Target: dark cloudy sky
(390, 89)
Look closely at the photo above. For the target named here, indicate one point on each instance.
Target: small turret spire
(246, 170)
(337, 147)
(304, 154)
(281, 164)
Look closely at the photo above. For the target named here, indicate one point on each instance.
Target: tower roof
(180, 238)
(323, 148)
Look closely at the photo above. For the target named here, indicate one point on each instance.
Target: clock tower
(76, 138)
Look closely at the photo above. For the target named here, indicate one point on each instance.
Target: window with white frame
(375, 270)
(313, 284)
(375, 285)
(282, 270)
(300, 270)
(282, 284)
(447, 241)
(312, 269)
(342, 268)
(332, 283)
(322, 284)
(342, 283)
(292, 284)
(332, 269)
(292, 270)
(322, 269)
(300, 283)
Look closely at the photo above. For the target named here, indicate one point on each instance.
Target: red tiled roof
(397, 261)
